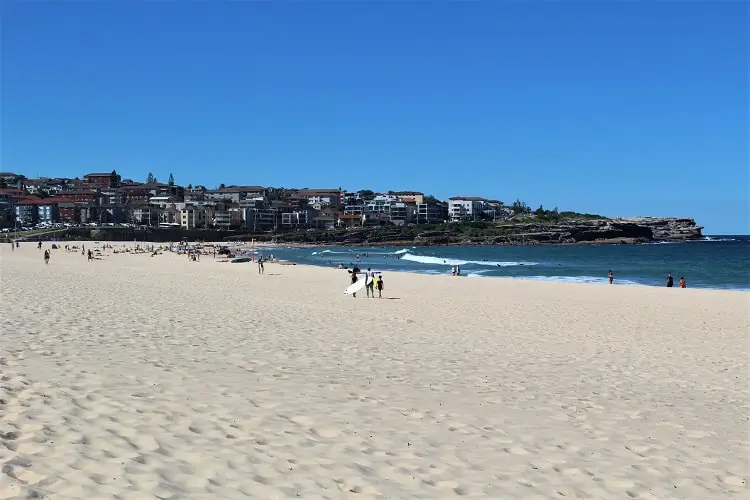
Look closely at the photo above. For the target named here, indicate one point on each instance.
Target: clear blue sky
(620, 108)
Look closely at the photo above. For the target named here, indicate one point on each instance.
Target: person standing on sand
(46, 256)
(261, 270)
(379, 285)
(611, 277)
(683, 284)
(670, 281)
(370, 283)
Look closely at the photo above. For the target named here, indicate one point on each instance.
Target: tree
(519, 207)
(171, 179)
(431, 199)
(114, 179)
(190, 187)
(150, 179)
(222, 186)
(539, 211)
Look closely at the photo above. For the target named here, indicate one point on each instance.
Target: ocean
(719, 262)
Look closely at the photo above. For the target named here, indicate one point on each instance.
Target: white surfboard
(355, 287)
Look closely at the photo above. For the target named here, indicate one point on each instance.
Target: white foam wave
(424, 259)
(712, 238)
(399, 252)
(577, 279)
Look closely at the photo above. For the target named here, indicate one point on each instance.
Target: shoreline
(537, 278)
(540, 279)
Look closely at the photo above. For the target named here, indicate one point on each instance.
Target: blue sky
(620, 108)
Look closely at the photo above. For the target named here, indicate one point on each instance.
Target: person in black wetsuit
(670, 281)
(354, 272)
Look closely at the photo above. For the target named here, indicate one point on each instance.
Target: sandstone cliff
(525, 231)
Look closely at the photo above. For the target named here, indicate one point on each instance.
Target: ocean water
(721, 262)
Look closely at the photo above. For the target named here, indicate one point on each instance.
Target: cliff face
(528, 231)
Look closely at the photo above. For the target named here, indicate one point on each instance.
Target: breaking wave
(441, 261)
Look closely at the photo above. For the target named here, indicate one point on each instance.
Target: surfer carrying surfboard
(354, 272)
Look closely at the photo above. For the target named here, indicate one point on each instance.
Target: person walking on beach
(46, 256)
(370, 283)
(39, 246)
(354, 272)
(90, 255)
(261, 270)
(683, 284)
(379, 285)
(670, 281)
(611, 277)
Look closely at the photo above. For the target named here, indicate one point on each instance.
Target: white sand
(136, 377)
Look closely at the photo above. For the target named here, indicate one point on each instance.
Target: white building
(192, 217)
(465, 208)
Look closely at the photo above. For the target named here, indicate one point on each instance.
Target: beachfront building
(145, 215)
(192, 217)
(235, 194)
(31, 211)
(322, 198)
(26, 213)
(465, 208)
(410, 197)
(387, 208)
(432, 213)
(259, 219)
(296, 219)
(81, 196)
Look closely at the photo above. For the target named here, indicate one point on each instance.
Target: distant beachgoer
(46, 256)
(458, 270)
(683, 284)
(611, 277)
(90, 255)
(261, 270)
(379, 285)
(453, 270)
(39, 246)
(670, 281)
(370, 283)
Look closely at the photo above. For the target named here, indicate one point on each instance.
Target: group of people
(670, 280)
(373, 281)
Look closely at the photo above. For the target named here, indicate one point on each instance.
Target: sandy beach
(135, 377)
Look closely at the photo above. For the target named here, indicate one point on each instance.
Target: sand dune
(140, 377)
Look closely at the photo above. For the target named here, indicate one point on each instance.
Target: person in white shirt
(370, 283)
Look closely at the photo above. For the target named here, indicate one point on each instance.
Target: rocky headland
(523, 231)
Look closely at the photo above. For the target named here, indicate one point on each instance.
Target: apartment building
(235, 194)
(192, 217)
(410, 197)
(431, 213)
(322, 197)
(465, 208)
